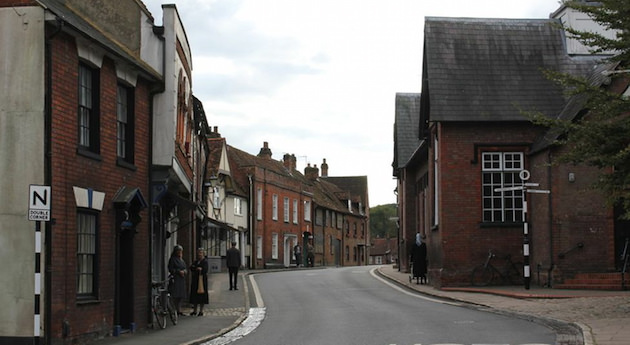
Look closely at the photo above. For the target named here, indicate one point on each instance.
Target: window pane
(86, 253)
(501, 170)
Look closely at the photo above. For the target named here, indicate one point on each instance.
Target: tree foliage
(381, 223)
(600, 135)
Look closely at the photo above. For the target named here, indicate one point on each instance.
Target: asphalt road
(352, 305)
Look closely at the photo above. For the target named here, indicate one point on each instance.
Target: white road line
(253, 320)
(413, 294)
(259, 300)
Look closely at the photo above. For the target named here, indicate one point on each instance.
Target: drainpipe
(48, 175)
(250, 219)
(550, 220)
(158, 31)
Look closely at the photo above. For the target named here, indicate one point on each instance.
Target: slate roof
(491, 69)
(406, 128)
(573, 108)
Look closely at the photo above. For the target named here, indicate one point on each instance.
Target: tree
(381, 225)
(600, 135)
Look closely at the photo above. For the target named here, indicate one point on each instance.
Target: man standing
(233, 258)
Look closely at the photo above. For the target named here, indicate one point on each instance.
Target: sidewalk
(227, 309)
(602, 316)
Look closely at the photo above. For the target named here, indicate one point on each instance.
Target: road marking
(259, 300)
(253, 320)
(413, 294)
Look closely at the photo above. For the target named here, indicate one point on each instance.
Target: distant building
(290, 208)
(383, 251)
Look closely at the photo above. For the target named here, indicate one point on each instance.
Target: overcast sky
(318, 78)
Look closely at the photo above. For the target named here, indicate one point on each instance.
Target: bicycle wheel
(481, 276)
(158, 311)
(172, 312)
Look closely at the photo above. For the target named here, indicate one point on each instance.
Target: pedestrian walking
(419, 260)
(199, 283)
(233, 261)
(297, 252)
(177, 268)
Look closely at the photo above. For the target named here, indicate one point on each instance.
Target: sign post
(524, 176)
(39, 199)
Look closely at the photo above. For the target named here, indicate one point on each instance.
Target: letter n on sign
(39, 199)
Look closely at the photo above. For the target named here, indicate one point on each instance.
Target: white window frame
(286, 210)
(501, 170)
(295, 211)
(274, 205)
(436, 183)
(307, 210)
(259, 203)
(238, 207)
(274, 245)
(259, 244)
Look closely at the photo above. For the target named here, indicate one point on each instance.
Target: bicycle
(486, 274)
(162, 303)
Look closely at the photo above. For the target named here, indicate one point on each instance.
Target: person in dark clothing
(177, 268)
(419, 260)
(297, 251)
(233, 261)
(199, 283)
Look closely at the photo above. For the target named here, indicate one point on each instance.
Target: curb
(567, 333)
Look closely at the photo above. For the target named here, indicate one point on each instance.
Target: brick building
(289, 208)
(83, 84)
(472, 137)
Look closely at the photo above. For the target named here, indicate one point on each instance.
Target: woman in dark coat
(199, 290)
(419, 259)
(177, 268)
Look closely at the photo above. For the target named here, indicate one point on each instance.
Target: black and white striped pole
(38, 285)
(39, 199)
(524, 176)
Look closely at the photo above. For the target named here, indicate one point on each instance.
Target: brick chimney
(311, 173)
(289, 161)
(324, 168)
(265, 151)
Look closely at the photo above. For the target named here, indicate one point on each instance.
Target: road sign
(39, 200)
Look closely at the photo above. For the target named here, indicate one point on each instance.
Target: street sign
(39, 200)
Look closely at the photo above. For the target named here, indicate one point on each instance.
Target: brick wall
(72, 169)
(459, 238)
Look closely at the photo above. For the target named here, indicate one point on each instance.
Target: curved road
(352, 305)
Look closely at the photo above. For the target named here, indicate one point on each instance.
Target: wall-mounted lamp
(571, 177)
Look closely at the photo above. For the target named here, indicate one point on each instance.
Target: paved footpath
(602, 316)
(590, 317)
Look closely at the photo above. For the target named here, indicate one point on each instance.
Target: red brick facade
(73, 317)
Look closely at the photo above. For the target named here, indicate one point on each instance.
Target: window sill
(88, 301)
(123, 163)
(82, 151)
(500, 225)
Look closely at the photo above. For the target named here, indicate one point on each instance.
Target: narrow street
(353, 306)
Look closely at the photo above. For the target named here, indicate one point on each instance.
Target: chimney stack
(265, 151)
(289, 161)
(324, 168)
(311, 173)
